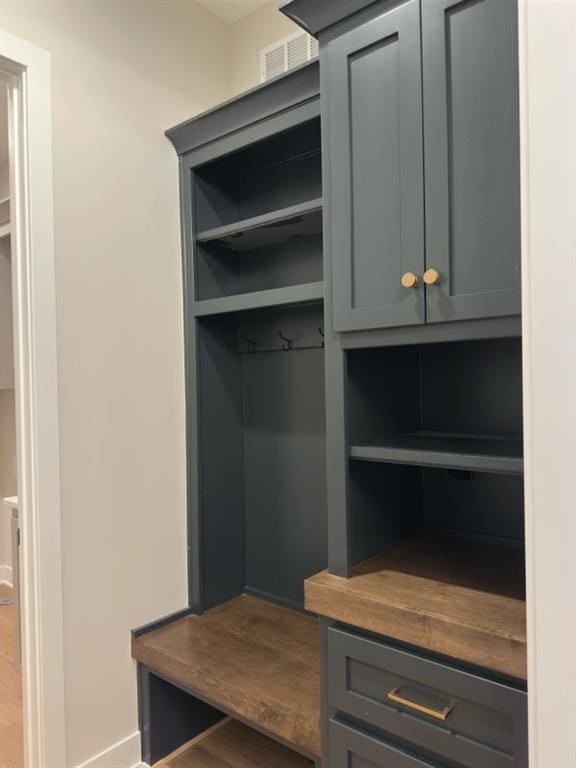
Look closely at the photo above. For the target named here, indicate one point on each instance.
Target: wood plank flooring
(230, 744)
(11, 740)
(254, 659)
(465, 601)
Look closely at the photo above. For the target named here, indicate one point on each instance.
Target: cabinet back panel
(474, 503)
(390, 502)
(223, 272)
(285, 477)
(262, 451)
(473, 387)
(461, 387)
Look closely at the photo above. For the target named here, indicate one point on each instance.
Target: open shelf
(457, 597)
(250, 658)
(276, 173)
(276, 297)
(476, 453)
(230, 744)
(269, 228)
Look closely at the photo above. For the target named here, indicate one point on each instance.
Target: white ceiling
(3, 122)
(231, 11)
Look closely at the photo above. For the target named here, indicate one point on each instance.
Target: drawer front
(451, 713)
(350, 748)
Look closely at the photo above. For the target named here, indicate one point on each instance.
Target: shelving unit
(348, 412)
(268, 229)
(257, 219)
(475, 453)
(277, 297)
(254, 312)
(434, 442)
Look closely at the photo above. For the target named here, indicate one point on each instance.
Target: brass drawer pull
(438, 714)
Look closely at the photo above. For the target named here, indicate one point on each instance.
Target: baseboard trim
(124, 754)
(6, 575)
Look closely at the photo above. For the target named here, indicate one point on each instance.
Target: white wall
(247, 38)
(122, 73)
(548, 44)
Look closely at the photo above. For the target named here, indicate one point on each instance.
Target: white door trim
(548, 148)
(27, 69)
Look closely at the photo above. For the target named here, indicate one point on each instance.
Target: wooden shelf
(459, 598)
(435, 449)
(230, 744)
(254, 660)
(296, 294)
(268, 229)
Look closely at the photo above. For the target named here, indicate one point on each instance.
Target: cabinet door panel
(375, 166)
(471, 149)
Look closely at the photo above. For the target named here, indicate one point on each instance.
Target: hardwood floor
(11, 742)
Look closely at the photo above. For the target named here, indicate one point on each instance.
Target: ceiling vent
(285, 54)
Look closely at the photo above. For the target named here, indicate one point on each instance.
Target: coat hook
(287, 344)
(252, 345)
(321, 332)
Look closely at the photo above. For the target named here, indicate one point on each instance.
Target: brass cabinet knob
(431, 276)
(409, 280)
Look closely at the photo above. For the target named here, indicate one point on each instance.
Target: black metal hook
(252, 345)
(287, 344)
(321, 332)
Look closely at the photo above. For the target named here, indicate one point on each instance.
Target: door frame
(547, 37)
(27, 71)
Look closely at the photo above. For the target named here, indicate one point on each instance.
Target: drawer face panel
(445, 711)
(350, 748)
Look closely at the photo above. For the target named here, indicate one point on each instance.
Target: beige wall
(122, 73)
(247, 38)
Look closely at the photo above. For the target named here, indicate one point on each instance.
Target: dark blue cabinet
(423, 165)
(471, 149)
(374, 120)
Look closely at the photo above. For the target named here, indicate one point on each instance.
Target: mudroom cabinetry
(422, 118)
(354, 408)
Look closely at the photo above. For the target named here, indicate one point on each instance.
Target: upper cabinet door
(375, 171)
(471, 150)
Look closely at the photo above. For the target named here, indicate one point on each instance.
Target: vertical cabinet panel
(376, 178)
(472, 175)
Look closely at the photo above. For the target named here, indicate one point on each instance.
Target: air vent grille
(285, 54)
